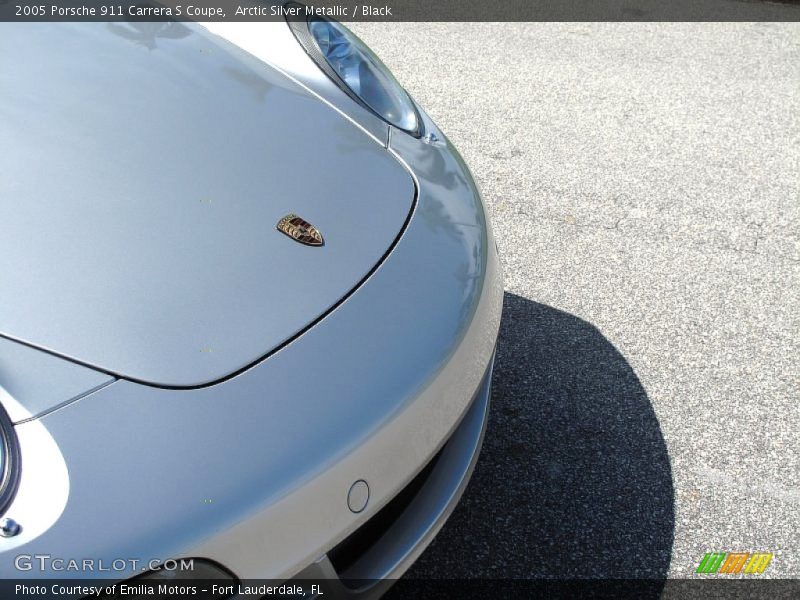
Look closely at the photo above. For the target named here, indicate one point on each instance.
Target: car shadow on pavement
(574, 480)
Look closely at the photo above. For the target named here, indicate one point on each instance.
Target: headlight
(355, 68)
(9, 461)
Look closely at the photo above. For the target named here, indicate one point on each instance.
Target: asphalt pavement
(644, 185)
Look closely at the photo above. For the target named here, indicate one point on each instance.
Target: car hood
(146, 168)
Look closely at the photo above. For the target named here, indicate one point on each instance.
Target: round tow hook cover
(358, 496)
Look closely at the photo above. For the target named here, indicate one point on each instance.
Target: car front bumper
(366, 565)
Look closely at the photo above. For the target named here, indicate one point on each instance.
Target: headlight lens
(364, 74)
(9, 461)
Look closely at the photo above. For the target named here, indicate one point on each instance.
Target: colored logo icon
(731, 563)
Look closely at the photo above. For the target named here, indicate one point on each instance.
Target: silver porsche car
(250, 301)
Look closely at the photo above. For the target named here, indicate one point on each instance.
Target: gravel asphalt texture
(644, 185)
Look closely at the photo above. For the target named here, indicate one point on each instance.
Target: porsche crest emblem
(300, 230)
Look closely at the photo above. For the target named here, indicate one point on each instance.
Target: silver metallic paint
(254, 472)
(384, 379)
(274, 44)
(140, 200)
(36, 382)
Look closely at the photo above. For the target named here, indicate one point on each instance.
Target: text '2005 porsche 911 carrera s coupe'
(250, 301)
